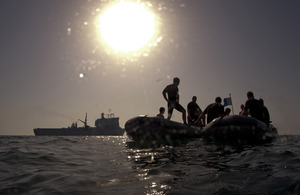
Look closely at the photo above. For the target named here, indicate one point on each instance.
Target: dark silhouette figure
(213, 111)
(171, 95)
(242, 109)
(227, 112)
(253, 107)
(266, 115)
(161, 112)
(193, 110)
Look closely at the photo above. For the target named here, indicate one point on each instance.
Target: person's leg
(190, 121)
(184, 116)
(183, 111)
(170, 110)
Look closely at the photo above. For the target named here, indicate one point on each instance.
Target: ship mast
(85, 121)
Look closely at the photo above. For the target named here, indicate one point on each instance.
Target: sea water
(116, 165)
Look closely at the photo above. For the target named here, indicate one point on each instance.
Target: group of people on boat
(253, 107)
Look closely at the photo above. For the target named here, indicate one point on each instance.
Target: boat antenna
(231, 103)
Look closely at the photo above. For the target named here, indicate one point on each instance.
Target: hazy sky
(215, 47)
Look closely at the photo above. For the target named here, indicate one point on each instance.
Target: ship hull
(90, 131)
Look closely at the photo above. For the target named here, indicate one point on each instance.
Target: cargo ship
(104, 126)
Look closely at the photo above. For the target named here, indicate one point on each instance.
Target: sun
(127, 26)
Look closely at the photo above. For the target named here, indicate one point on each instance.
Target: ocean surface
(116, 165)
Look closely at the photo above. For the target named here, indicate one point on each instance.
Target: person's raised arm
(165, 94)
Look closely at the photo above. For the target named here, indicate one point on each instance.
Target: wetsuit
(266, 115)
(213, 111)
(173, 99)
(255, 109)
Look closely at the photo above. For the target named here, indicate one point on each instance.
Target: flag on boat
(227, 101)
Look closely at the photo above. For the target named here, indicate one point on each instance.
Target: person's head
(194, 99)
(250, 95)
(261, 101)
(218, 100)
(242, 106)
(176, 81)
(227, 111)
(162, 110)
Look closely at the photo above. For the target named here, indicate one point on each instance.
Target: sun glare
(127, 27)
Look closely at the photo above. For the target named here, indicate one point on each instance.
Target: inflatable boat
(155, 128)
(239, 129)
(232, 129)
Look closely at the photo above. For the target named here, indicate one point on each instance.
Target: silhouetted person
(242, 109)
(227, 111)
(193, 110)
(266, 115)
(171, 95)
(161, 112)
(213, 110)
(253, 107)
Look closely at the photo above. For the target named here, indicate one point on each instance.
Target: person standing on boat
(161, 112)
(212, 111)
(193, 110)
(253, 107)
(171, 95)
